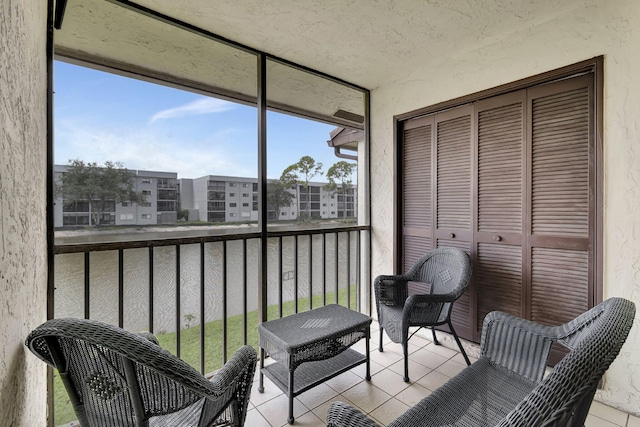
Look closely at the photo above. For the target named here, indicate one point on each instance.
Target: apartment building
(210, 198)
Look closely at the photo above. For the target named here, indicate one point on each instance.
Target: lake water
(69, 280)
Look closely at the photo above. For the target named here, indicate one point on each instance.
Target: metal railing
(162, 282)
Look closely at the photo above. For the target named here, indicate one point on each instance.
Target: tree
(340, 172)
(339, 177)
(278, 196)
(301, 173)
(183, 214)
(98, 185)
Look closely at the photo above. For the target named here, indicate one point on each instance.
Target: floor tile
(361, 370)
(413, 394)
(433, 380)
(270, 391)
(321, 411)
(451, 368)
(391, 382)
(317, 395)
(366, 396)
(276, 410)
(385, 358)
(428, 358)
(608, 413)
(441, 350)
(416, 370)
(344, 381)
(593, 421)
(388, 411)
(308, 420)
(255, 419)
(633, 421)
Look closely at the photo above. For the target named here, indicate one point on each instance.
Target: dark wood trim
(398, 153)
(589, 65)
(598, 91)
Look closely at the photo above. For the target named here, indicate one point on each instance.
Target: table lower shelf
(310, 374)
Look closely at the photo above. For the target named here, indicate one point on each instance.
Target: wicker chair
(117, 378)
(447, 272)
(505, 387)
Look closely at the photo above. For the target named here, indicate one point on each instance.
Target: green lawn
(190, 343)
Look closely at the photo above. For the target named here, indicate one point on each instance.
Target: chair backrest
(564, 396)
(445, 269)
(114, 377)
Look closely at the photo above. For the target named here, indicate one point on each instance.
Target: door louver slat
(560, 164)
(500, 169)
(454, 173)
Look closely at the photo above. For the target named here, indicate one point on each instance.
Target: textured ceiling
(365, 42)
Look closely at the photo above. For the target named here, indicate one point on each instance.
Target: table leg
(290, 419)
(261, 385)
(367, 336)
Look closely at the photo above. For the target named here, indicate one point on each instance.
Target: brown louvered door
(561, 201)
(499, 238)
(452, 210)
(513, 182)
(415, 152)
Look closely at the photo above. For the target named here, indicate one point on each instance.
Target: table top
(302, 329)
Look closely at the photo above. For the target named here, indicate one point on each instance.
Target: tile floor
(386, 396)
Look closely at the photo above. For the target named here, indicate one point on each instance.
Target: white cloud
(216, 154)
(200, 106)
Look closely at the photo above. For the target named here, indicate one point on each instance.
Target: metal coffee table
(314, 345)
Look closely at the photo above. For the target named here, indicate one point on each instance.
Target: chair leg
(435, 340)
(380, 349)
(464, 353)
(405, 349)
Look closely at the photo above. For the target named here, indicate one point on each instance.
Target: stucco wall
(22, 208)
(601, 28)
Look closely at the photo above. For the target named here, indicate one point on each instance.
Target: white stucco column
(23, 256)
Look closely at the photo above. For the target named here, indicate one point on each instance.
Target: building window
(245, 205)
(255, 186)
(145, 204)
(245, 185)
(233, 205)
(125, 204)
(245, 194)
(124, 217)
(232, 194)
(146, 180)
(215, 185)
(283, 214)
(232, 214)
(146, 192)
(232, 184)
(146, 216)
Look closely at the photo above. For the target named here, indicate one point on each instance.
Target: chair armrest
(231, 372)
(391, 290)
(517, 344)
(342, 415)
(149, 336)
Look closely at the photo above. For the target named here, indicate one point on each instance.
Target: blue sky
(100, 116)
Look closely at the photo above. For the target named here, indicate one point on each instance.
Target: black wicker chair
(446, 271)
(117, 378)
(505, 387)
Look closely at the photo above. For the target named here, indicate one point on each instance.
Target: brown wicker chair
(117, 378)
(447, 272)
(505, 387)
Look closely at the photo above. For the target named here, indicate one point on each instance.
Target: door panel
(416, 190)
